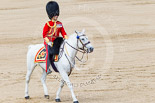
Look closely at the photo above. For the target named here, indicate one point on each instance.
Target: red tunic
(51, 30)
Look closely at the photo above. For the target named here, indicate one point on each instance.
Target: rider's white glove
(50, 44)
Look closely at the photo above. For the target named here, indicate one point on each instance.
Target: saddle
(53, 51)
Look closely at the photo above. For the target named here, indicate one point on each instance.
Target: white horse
(76, 42)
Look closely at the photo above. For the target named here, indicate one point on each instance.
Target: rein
(82, 50)
(76, 49)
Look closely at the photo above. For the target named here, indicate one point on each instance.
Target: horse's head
(83, 42)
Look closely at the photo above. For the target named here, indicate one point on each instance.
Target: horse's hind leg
(28, 75)
(59, 90)
(43, 80)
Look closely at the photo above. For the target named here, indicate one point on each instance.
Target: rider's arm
(63, 33)
(45, 32)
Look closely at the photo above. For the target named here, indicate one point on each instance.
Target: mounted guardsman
(36, 55)
(51, 31)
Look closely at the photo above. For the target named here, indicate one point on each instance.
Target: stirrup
(56, 58)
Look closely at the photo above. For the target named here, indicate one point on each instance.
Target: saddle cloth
(41, 56)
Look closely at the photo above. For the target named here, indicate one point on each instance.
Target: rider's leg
(48, 71)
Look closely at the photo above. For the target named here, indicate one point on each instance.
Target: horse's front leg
(69, 84)
(59, 90)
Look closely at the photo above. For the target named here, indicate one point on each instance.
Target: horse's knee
(43, 80)
(62, 85)
(27, 80)
(70, 85)
(28, 75)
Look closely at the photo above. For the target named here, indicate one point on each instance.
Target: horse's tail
(30, 53)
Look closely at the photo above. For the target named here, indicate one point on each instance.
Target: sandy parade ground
(120, 70)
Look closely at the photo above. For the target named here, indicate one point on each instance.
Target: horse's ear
(76, 32)
(83, 31)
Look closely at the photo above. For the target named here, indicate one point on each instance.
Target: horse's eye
(82, 39)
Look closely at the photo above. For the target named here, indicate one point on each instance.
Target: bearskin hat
(52, 9)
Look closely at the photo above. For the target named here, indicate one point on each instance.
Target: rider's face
(55, 18)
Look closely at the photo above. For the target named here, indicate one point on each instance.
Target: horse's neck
(73, 42)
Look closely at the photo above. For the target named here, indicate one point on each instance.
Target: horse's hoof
(27, 97)
(75, 102)
(47, 96)
(57, 100)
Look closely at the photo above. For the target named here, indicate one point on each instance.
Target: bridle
(82, 50)
(84, 45)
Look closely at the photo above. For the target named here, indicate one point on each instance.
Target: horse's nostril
(91, 49)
